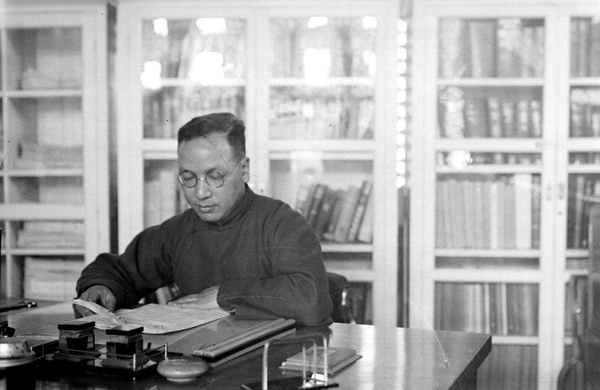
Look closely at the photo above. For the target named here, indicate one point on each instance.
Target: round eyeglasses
(214, 179)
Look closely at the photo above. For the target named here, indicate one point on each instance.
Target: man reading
(248, 254)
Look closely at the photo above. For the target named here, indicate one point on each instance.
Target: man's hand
(102, 295)
(206, 300)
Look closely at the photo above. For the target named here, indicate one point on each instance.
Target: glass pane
(51, 278)
(486, 112)
(488, 211)
(474, 48)
(46, 58)
(204, 50)
(46, 190)
(495, 308)
(45, 133)
(319, 47)
(321, 112)
(162, 196)
(584, 190)
(334, 195)
(167, 109)
(585, 112)
(49, 234)
(585, 47)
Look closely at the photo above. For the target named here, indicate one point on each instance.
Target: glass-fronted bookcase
(54, 142)
(315, 86)
(510, 126)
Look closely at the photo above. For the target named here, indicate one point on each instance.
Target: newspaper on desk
(156, 319)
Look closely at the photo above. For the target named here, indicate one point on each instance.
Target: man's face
(212, 155)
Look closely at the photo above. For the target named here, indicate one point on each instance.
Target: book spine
(359, 212)
(482, 38)
(523, 213)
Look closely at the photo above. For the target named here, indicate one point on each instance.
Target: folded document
(156, 319)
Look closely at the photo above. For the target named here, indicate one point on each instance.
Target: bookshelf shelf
(509, 134)
(346, 248)
(307, 124)
(43, 172)
(175, 82)
(486, 276)
(491, 82)
(48, 251)
(497, 253)
(490, 169)
(513, 145)
(54, 113)
(326, 82)
(50, 93)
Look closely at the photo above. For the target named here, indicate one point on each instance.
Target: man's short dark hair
(221, 122)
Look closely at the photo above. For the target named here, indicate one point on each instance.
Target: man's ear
(246, 169)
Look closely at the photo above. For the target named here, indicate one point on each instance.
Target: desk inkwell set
(123, 354)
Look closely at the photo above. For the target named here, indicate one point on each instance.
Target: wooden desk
(392, 358)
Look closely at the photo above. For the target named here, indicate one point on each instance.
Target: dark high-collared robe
(264, 256)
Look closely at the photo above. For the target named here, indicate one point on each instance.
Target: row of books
(338, 215)
(509, 367)
(51, 279)
(584, 158)
(490, 213)
(507, 47)
(585, 47)
(580, 188)
(163, 198)
(464, 116)
(496, 308)
(170, 108)
(333, 115)
(585, 112)
(51, 234)
(460, 159)
(346, 45)
(176, 45)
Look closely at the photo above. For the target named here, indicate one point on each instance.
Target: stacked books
(337, 359)
(338, 215)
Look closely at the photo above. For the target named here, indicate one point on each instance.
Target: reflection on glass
(320, 47)
(46, 190)
(321, 113)
(163, 197)
(476, 48)
(205, 50)
(458, 159)
(50, 58)
(583, 189)
(486, 211)
(50, 234)
(495, 308)
(585, 47)
(167, 109)
(585, 112)
(51, 278)
(47, 133)
(481, 113)
(333, 195)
